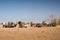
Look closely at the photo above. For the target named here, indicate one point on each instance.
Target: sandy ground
(43, 33)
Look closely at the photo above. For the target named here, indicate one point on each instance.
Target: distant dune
(43, 33)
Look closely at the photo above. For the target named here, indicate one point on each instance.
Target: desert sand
(43, 33)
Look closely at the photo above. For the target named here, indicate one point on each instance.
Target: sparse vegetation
(19, 24)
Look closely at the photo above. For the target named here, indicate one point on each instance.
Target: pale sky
(28, 10)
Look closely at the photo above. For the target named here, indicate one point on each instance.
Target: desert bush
(44, 23)
(38, 25)
(31, 23)
(53, 22)
(20, 24)
(59, 21)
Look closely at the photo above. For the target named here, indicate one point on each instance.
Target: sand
(43, 33)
